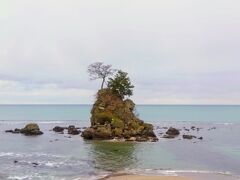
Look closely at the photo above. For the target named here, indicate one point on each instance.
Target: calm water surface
(60, 156)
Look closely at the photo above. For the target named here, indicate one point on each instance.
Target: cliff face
(113, 117)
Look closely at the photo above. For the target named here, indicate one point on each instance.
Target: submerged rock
(188, 136)
(114, 118)
(200, 138)
(167, 136)
(15, 131)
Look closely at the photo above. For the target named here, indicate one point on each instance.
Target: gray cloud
(175, 51)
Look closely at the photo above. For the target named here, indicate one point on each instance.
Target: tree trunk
(103, 81)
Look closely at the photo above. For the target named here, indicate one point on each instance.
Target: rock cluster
(173, 133)
(71, 130)
(31, 129)
(112, 117)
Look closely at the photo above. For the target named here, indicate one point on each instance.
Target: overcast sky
(176, 51)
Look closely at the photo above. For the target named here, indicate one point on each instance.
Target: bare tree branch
(98, 70)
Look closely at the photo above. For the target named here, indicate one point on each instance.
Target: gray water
(60, 156)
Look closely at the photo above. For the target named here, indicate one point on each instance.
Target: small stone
(35, 164)
(188, 136)
(9, 131)
(131, 139)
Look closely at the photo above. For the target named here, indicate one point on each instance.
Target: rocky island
(112, 115)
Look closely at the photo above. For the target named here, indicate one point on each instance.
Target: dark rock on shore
(188, 136)
(31, 129)
(113, 117)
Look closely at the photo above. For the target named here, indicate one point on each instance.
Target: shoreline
(180, 176)
(138, 177)
(125, 176)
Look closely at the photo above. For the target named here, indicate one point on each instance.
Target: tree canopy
(121, 84)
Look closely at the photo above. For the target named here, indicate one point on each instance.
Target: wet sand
(138, 177)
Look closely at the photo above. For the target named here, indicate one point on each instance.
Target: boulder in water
(58, 129)
(172, 131)
(31, 130)
(113, 117)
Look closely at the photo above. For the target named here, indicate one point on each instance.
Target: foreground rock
(31, 129)
(112, 117)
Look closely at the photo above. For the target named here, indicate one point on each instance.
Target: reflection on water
(113, 156)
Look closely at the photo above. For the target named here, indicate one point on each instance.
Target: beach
(136, 177)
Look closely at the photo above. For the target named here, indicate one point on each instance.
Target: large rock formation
(113, 117)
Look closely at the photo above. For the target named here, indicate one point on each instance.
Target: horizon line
(140, 104)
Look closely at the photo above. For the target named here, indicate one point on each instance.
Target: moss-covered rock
(103, 117)
(103, 132)
(31, 129)
(118, 132)
(114, 117)
(117, 123)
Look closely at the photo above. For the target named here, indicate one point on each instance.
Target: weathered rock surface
(31, 129)
(112, 117)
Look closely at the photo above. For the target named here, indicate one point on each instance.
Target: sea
(67, 157)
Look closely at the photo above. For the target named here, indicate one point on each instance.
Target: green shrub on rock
(104, 117)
